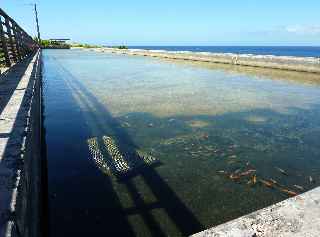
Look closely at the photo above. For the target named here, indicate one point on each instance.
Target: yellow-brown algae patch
(197, 123)
(256, 119)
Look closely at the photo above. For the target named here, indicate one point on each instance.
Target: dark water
(203, 125)
(298, 51)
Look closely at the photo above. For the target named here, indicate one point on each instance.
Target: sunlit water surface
(218, 136)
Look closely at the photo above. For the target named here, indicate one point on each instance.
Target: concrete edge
(297, 216)
(29, 201)
(297, 64)
(26, 195)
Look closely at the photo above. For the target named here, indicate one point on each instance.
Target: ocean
(297, 51)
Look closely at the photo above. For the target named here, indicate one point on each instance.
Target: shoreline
(288, 63)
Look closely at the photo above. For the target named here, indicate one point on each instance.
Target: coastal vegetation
(53, 44)
(120, 47)
(91, 46)
(86, 46)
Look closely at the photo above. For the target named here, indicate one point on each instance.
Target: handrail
(15, 43)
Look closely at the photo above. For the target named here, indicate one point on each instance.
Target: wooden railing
(15, 43)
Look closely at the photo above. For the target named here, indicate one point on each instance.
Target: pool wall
(296, 215)
(30, 196)
(299, 64)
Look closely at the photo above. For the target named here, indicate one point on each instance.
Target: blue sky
(174, 22)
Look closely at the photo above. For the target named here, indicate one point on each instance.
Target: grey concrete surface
(294, 217)
(17, 88)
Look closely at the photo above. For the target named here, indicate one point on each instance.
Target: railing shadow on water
(74, 204)
(167, 200)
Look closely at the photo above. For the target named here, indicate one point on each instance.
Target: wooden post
(4, 45)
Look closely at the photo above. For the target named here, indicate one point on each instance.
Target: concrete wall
(20, 150)
(299, 64)
(29, 201)
(295, 217)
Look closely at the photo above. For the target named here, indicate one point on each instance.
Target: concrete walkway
(294, 217)
(16, 92)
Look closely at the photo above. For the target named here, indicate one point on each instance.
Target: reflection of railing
(15, 43)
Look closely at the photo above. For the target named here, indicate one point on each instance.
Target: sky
(173, 22)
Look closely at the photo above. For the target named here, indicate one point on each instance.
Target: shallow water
(201, 127)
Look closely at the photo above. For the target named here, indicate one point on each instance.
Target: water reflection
(228, 143)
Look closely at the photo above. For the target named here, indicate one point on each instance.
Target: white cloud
(303, 29)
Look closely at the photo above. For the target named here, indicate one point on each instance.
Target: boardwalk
(17, 87)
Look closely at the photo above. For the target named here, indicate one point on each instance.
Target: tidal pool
(138, 146)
